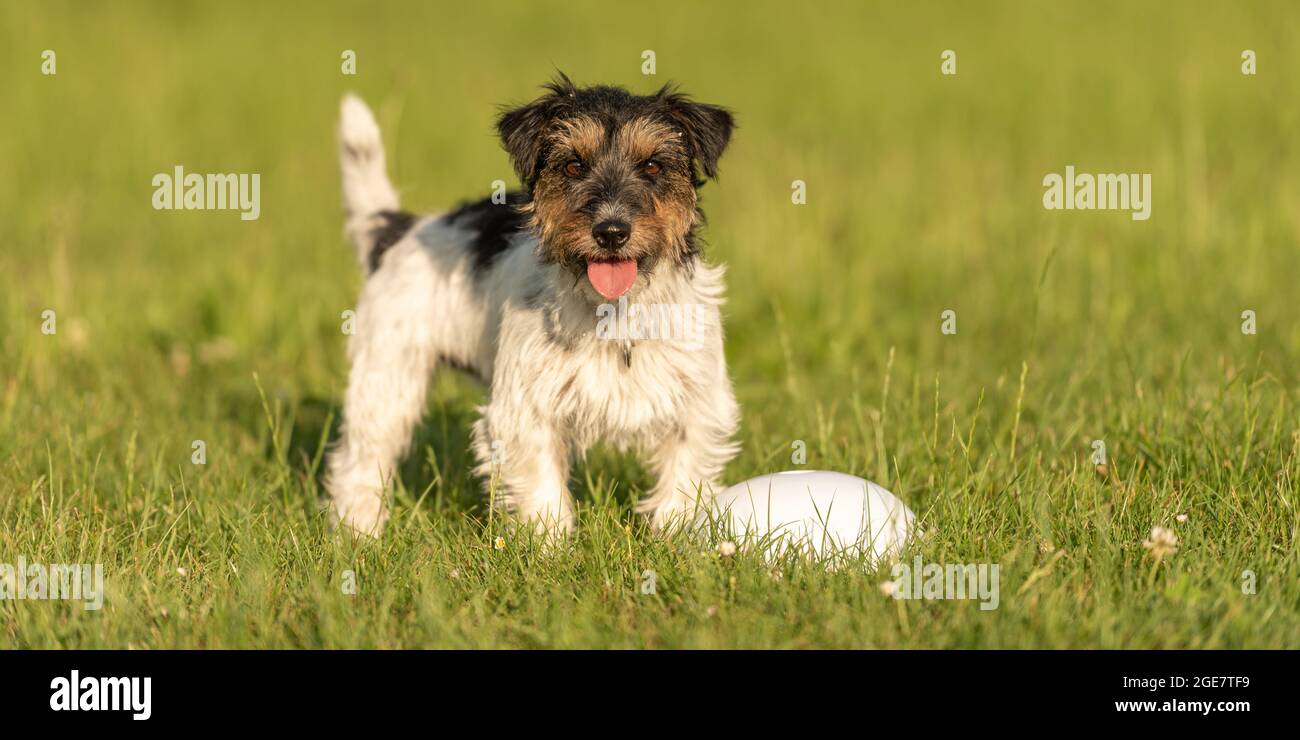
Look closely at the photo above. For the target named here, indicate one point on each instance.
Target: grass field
(924, 195)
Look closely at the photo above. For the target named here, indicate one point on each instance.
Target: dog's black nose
(611, 234)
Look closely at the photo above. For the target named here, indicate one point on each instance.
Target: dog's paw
(670, 518)
(551, 528)
(363, 515)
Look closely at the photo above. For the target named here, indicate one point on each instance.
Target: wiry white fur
(530, 329)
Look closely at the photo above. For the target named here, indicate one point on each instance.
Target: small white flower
(182, 572)
(1181, 518)
(711, 611)
(889, 588)
(727, 549)
(455, 573)
(1161, 542)
(499, 543)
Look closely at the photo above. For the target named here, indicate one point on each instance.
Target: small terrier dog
(514, 289)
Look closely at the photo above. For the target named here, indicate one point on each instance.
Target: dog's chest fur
(603, 380)
(622, 392)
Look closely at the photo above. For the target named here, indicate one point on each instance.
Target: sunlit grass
(924, 195)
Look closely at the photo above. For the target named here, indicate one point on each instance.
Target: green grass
(923, 195)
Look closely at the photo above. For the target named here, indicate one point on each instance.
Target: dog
(514, 289)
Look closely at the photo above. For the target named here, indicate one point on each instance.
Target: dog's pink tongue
(612, 279)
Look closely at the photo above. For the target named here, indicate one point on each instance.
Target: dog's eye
(574, 168)
(651, 167)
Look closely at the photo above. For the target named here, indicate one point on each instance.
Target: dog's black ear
(524, 129)
(708, 127)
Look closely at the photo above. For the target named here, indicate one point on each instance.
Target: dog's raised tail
(367, 193)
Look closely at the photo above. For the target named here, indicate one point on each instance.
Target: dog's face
(613, 176)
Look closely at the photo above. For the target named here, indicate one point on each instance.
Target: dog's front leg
(525, 466)
(689, 461)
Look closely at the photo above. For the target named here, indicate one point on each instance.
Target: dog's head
(612, 176)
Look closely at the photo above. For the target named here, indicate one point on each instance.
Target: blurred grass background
(924, 194)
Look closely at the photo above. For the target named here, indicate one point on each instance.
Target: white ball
(819, 511)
